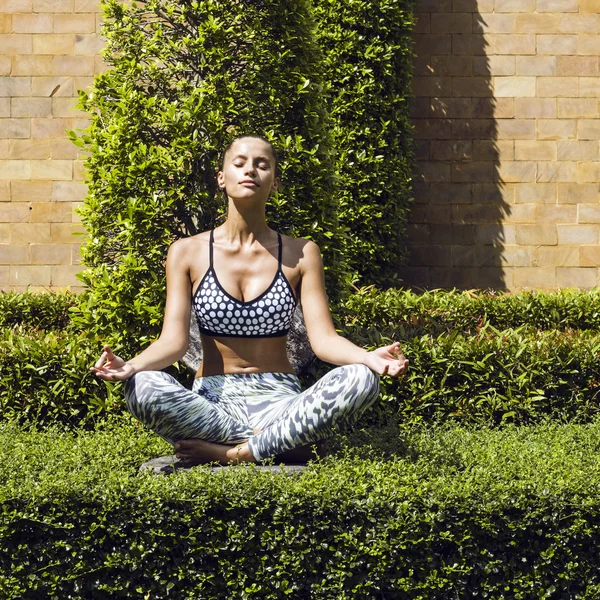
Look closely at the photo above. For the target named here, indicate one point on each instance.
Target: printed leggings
(227, 409)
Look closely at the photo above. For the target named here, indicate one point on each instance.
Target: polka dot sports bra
(220, 314)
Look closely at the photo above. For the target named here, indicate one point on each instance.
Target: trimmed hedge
(468, 371)
(186, 79)
(405, 312)
(367, 64)
(46, 311)
(45, 378)
(522, 376)
(409, 314)
(455, 514)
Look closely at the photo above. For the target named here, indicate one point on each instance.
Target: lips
(248, 181)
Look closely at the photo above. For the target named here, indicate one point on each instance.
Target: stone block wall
(507, 124)
(48, 50)
(506, 119)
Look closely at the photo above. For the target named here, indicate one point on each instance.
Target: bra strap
(210, 246)
(280, 249)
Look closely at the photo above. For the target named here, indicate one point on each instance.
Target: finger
(396, 351)
(385, 370)
(101, 360)
(109, 352)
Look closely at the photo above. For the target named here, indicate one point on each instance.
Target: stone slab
(165, 465)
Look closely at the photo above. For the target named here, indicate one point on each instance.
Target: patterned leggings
(226, 409)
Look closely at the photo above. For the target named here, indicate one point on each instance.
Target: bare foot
(197, 452)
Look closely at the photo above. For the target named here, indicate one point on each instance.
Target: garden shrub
(45, 311)
(409, 314)
(457, 513)
(404, 312)
(327, 82)
(45, 378)
(367, 62)
(493, 377)
(185, 79)
(468, 362)
(520, 376)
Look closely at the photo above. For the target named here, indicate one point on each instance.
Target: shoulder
(301, 246)
(181, 251)
(183, 246)
(303, 252)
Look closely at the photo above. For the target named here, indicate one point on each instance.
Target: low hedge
(410, 314)
(45, 378)
(519, 375)
(522, 376)
(45, 311)
(463, 367)
(405, 312)
(515, 375)
(454, 514)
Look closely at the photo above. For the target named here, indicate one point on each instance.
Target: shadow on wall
(456, 233)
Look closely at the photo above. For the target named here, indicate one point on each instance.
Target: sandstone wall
(48, 50)
(506, 116)
(506, 119)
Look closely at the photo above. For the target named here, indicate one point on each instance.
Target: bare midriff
(223, 355)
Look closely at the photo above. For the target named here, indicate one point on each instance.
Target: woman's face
(248, 169)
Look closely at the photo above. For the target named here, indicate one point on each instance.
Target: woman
(246, 403)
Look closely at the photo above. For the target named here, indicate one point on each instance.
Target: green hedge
(45, 378)
(45, 311)
(408, 314)
(468, 370)
(186, 78)
(405, 312)
(367, 64)
(455, 514)
(522, 376)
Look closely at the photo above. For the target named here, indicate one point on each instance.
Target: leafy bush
(46, 311)
(466, 370)
(328, 82)
(493, 377)
(368, 65)
(457, 513)
(519, 376)
(408, 314)
(45, 378)
(186, 78)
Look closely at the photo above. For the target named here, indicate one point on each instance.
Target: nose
(249, 168)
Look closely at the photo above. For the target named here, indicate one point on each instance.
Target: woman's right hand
(111, 367)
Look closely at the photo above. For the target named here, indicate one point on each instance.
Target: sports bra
(220, 314)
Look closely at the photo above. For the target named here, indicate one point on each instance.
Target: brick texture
(506, 116)
(510, 152)
(48, 50)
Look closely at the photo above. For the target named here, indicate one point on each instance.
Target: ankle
(240, 453)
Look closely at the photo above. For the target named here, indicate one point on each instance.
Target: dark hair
(256, 137)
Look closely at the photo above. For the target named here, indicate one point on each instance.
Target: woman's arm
(174, 338)
(324, 340)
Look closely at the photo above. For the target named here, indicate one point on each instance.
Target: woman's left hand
(387, 360)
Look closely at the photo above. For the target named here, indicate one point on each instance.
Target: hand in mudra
(111, 367)
(387, 360)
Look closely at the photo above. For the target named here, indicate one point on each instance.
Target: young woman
(242, 281)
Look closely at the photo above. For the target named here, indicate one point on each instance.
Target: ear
(221, 180)
(276, 183)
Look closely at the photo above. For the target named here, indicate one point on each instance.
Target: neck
(245, 226)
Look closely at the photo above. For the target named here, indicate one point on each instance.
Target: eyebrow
(258, 157)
